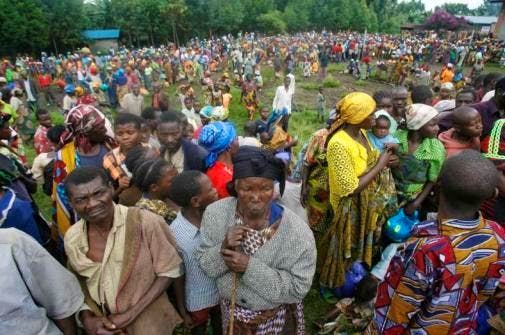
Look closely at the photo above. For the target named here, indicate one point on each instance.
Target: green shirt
(417, 169)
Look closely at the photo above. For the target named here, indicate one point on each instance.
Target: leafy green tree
(360, 14)
(412, 11)
(457, 8)
(272, 22)
(225, 15)
(488, 8)
(175, 13)
(254, 8)
(65, 22)
(386, 11)
(297, 15)
(24, 27)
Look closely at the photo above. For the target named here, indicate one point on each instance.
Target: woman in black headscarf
(261, 255)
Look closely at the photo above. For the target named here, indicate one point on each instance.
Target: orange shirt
(446, 76)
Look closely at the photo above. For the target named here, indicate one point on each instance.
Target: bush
(340, 67)
(310, 86)
(331, 83)
(272, 22)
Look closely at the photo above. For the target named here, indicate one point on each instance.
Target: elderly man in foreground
(124, 257)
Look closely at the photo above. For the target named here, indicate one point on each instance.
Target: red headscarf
(80, 121)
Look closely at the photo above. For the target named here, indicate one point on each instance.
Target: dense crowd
(166, 220)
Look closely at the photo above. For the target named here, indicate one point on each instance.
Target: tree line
(31, 26)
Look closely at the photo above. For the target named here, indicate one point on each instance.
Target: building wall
(102, 45)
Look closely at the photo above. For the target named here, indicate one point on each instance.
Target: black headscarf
(256, 162)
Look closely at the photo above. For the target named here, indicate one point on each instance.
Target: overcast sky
(430, 4)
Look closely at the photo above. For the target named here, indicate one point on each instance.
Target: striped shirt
(200, 291)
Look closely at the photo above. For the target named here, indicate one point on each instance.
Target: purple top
(489, 113)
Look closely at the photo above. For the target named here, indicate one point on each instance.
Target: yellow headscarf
(354, 108)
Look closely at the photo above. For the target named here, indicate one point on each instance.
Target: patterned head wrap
(216, 138)
(256, 162)
(354, 108)
(219, 113)
(80, 122)
(418, 115)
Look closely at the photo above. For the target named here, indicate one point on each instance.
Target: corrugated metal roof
(482, 20)
(101, 34)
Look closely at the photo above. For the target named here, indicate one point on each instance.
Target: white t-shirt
(28, 89)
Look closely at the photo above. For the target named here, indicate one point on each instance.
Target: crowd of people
(168, 219)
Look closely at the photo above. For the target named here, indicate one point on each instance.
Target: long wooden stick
(232, 303)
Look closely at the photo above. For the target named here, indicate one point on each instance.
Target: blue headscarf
(206, 111)
(216, 138)
(275, 116)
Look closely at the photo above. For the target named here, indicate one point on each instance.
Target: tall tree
(272, 22)
(457, 8)
(225, 15)
(65, 21)
(412, 11)
(488, 8)
(175, 12)
(255, 8)
(297, 15)
(24, 27)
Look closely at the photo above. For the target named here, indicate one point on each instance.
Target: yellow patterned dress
(357, 218)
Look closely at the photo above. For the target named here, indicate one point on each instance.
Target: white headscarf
(418, 115)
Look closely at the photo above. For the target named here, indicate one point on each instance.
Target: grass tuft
(331, 83)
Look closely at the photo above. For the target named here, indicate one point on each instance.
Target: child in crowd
(153, 178)
(258, 80)
(197, 106)
(128, 135)
(40, 141)
(320, 103)
(196, 294)
(42, 167)
(134, 158)
(69, 100)
(466, 131)
(249, 137)
(189, 112)
(189, 131)
(379, 136)
(148, 128)
(262, 123)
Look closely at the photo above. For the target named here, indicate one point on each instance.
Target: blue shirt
(18, 213)
(379, 143)
(200, 291)
(96, 160)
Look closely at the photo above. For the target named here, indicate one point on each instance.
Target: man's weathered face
(92, 200)
(170, 135)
